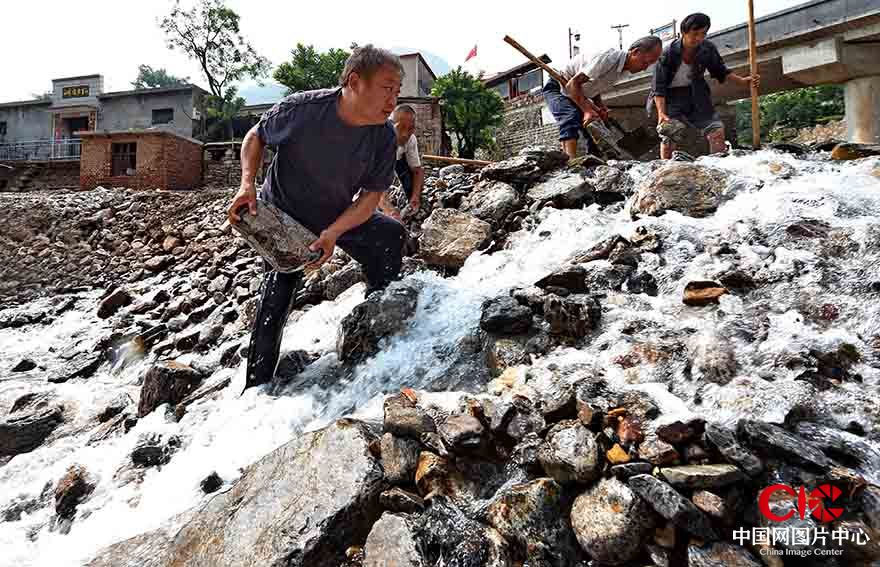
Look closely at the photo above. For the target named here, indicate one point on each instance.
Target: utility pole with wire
(577, 37)
(620, 33)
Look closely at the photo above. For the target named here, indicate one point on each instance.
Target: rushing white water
(232, 431)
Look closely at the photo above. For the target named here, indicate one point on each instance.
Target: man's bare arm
(418, 179)
(251, 159)
(574, 91)
(660, 102)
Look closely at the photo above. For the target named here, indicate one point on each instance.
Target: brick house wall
(429, 124)
(163, 160)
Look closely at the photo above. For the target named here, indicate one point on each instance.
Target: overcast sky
(59, 38)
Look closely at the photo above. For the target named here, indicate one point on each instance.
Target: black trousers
(405, 176)
(377, 245)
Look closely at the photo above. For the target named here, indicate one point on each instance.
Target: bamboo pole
(460, 161)
(550, 70)
(753, 64)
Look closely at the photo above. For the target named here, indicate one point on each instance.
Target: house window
(163, 116)
(529, 81)
(124, 159)
(503, 89)
(2, 128)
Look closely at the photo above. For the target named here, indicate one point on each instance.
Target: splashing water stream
(770, 330)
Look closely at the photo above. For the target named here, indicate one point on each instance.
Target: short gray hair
(647, 43)
(366, 60)
(404, 108)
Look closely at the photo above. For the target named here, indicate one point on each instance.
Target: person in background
(679, 89)
(588, 76)
(408, 163)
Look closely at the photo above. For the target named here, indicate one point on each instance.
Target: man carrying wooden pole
(574, 96)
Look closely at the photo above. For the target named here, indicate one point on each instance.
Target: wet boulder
(690, 189)
(115, 301)
(392, 541)
(611, 522)
(167, 383)
(530, 517)
(267, 518)
(570, 453)
(400, 456)
(564, 190)
(667, 502)
(491, 201)
(29, 423)
(573, 316)
(526, 167)
(449, 237)
(504, 315)
(379, 317)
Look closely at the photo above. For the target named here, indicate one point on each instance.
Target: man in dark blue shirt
(334, 157)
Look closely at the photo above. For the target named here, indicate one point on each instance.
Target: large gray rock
(611, 523)
(779, 443)
(692, 190)
(449, 237)
(382, 315)
(570, 453)
(167, 383)
(282, 241)
(28, 425)
(564, 190)
(526, 167)
(392, 543)
(302, 505)
(673, 506)
(491, 201)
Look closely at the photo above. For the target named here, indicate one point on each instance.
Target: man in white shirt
(588, 76)
(408, 165)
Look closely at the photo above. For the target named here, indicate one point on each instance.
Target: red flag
(471, 54)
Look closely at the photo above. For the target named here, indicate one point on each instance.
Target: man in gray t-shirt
(334, 157)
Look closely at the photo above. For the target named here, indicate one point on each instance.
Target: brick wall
(429, 124)
(183, 163)
(523, 126)
(163, 161)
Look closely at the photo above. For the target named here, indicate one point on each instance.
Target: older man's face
(404, 125)
(644, 59)
(377, 96)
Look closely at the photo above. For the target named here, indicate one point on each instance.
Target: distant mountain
(268, 93)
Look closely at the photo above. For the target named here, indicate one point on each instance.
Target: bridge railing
(42, 150)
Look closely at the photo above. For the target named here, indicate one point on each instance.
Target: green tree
(221, 113)
(470, 110)
(209, 33)
(149, 78)
(309, 69)
(799, 108)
